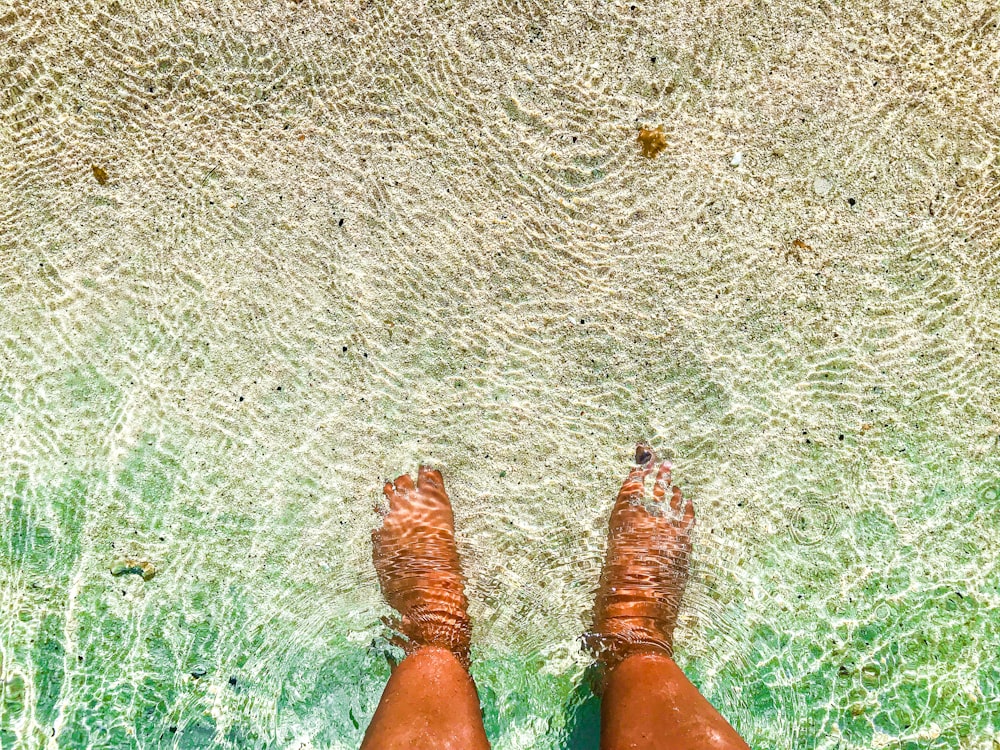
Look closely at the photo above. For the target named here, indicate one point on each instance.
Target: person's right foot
(646, 568)
(418, 568)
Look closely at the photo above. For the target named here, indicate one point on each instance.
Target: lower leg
(430, 702)
(648, 703)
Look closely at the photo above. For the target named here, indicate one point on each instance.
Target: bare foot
(646, 568)
(418, 568)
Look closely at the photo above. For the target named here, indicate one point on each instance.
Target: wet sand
(255, 261)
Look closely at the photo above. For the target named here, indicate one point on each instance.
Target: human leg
(430, 700)
(648, 703)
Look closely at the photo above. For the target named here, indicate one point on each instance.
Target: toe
(677, 501)
(404, 483)
(662, 482)
(395, 492)
(689, 512)
(634, 487)
(430, 478)
(629, 504)
(382, 508)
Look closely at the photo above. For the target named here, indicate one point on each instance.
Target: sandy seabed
(257, 258)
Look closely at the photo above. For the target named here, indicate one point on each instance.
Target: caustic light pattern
(258, 258)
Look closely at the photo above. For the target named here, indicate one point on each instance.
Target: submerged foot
(418, 568)
(646, 568)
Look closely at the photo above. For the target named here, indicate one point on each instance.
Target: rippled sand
(256, 260)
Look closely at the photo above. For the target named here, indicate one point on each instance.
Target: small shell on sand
(643, 454)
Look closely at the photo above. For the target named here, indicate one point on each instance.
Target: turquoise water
(334, 242)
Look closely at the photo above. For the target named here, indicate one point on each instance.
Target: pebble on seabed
(128, 565)
(822, 186)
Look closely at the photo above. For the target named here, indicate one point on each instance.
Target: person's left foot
(418, 568)
(646, 568)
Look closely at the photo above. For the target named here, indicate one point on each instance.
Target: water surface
(336, 240)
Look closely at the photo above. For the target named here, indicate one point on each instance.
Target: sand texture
(256, 258)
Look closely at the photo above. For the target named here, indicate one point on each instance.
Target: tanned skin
(647, 703)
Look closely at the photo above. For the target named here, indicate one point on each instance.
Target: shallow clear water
(327, 242)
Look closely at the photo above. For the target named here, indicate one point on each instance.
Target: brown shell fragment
(652, 141)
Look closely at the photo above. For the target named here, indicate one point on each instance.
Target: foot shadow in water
(583, 725)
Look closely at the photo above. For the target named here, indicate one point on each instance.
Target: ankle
(449, 631)
(612, 647)
(644, 656)
(436, 657)
(613, 659)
